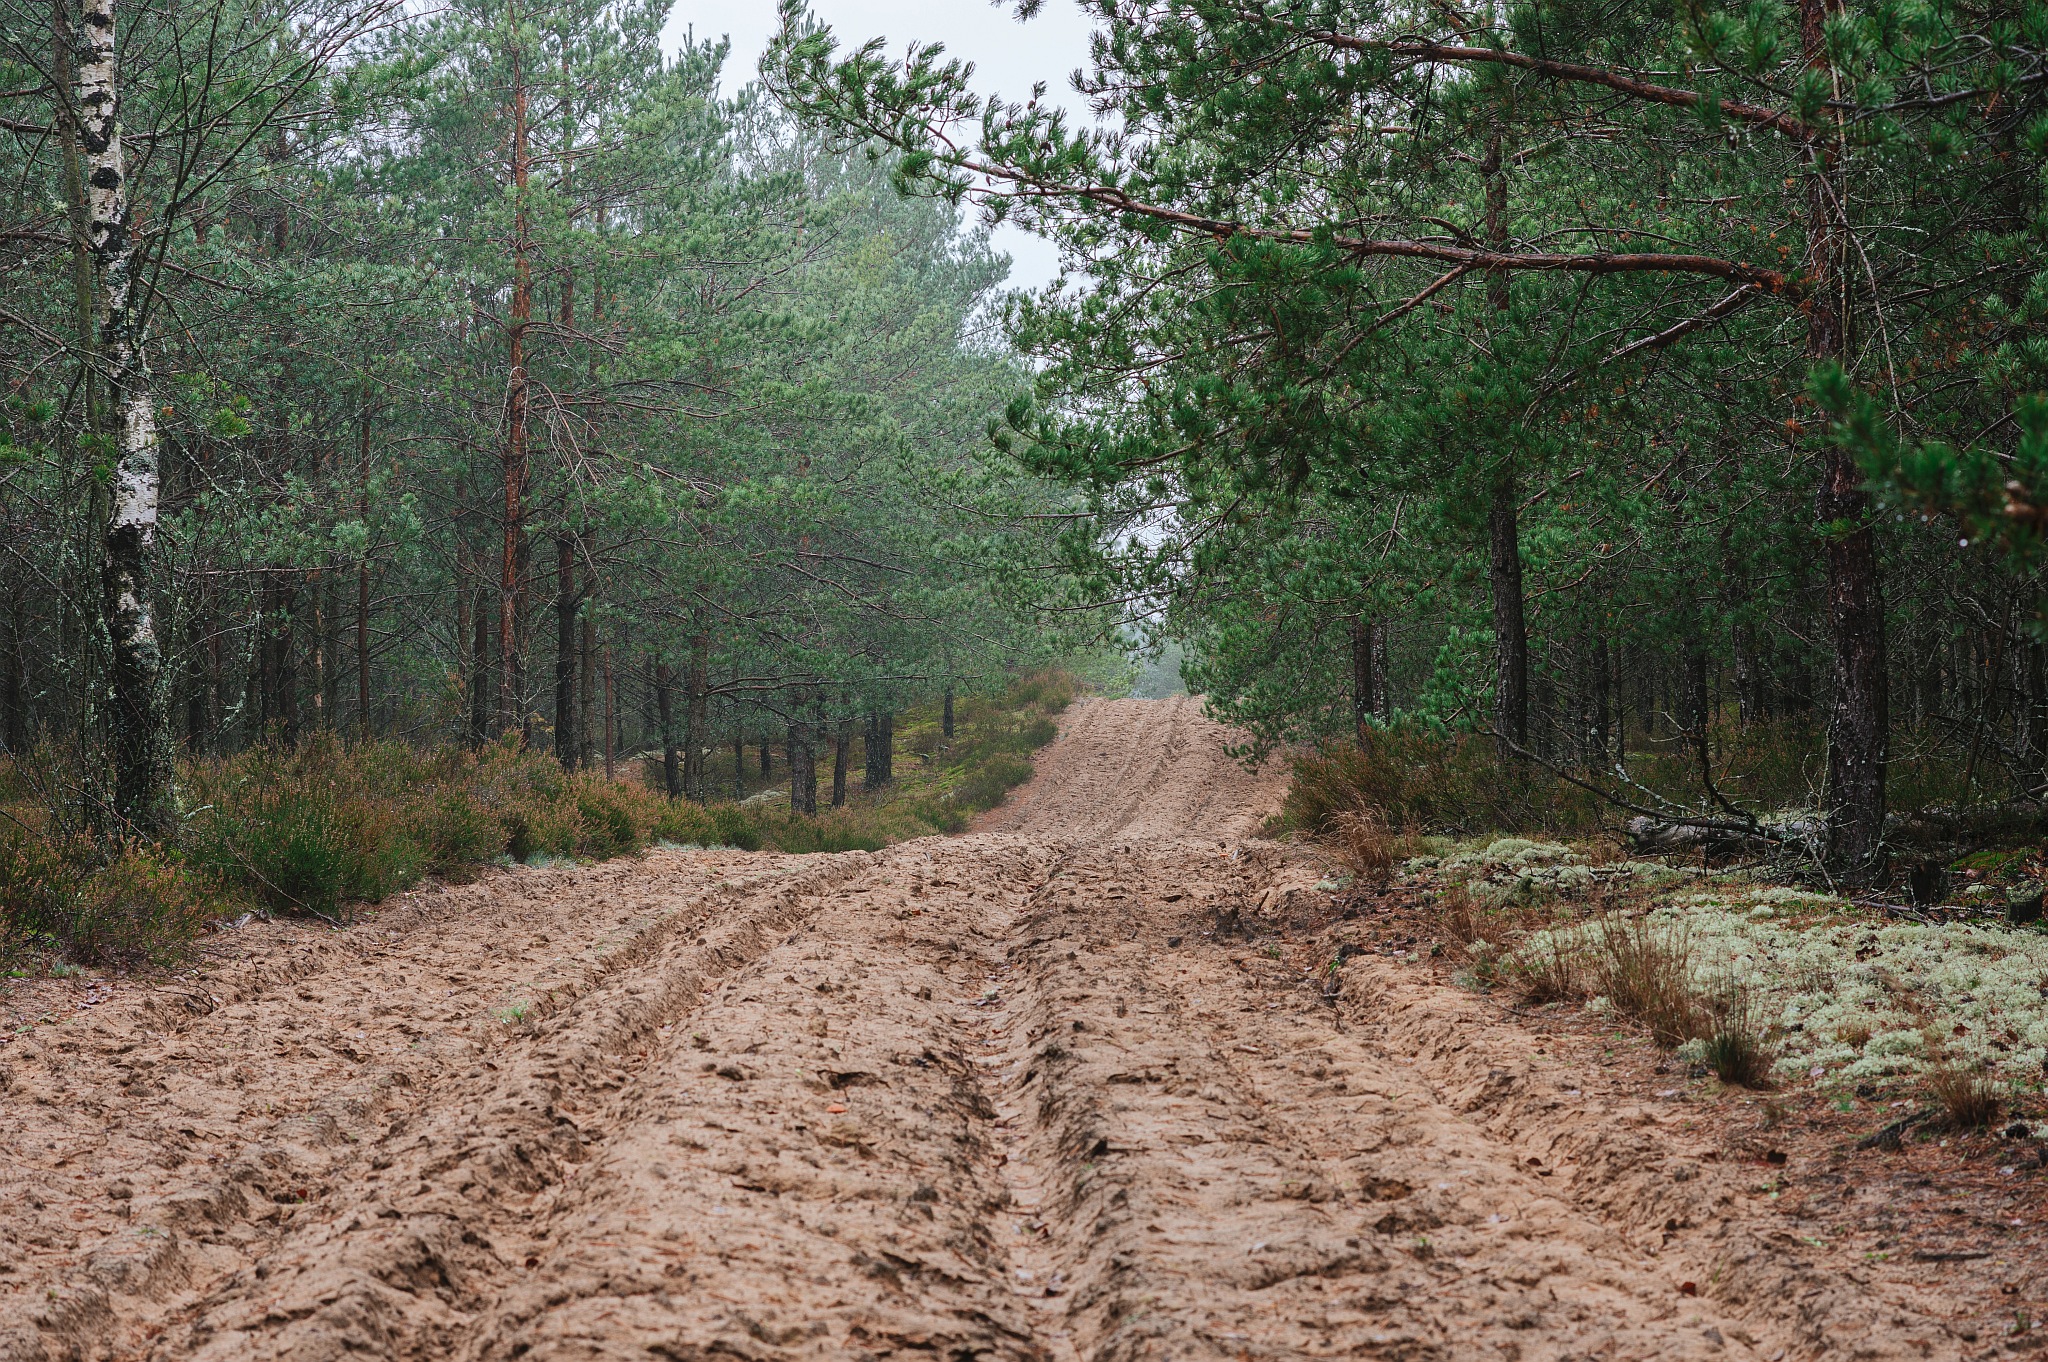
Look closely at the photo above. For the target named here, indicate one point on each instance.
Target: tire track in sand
(997, 1096)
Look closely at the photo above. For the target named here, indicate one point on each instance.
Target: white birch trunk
(142, 746)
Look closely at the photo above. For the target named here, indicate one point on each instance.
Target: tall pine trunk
(515, 454)
(664, 705)
(610, 736)
(586, 716)
(1598, 743)
(1510, 632)
(697, 719)
(803, 770)
(1368, 674)
(566, 746)
(139, 712)
(1858, 712)
(881, 750)
(284, 663)
(842, 743)
(363, 586)
(1503, 526)
(480, 674)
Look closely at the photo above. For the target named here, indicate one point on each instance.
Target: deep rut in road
(1005, 1095)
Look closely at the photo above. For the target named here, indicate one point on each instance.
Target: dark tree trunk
(611, 739)
(566, 746)
(363, 586)
(1597, 743)
(1368, 674)
(17, 682)
(363, 648)
(803, 771)
(696, 735)
(198, 712)
(1510, 633)
(739, 769)
(946, 715)
(1692, 680)
(1503, 528)
(1361, 675)
(586, 716)
(480, 679)
(319, 654)
(1858, 712)
(664, 705)
(333, 610)
(767, 760)
(1382, 681)
(513, 473)
(842, 742)
(1742, 639)
(284, 665)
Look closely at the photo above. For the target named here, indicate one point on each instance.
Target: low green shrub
(140, 909)
(734, 829)
(608, 826)
(988, 784)
(459, 835)
(315, 828)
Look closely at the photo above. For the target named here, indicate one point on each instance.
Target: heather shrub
(318, 827)
(141, 908)
(609, 825)
(730, 823)
(39, 879)
(284, 844)
(458, 835)
(990, 783)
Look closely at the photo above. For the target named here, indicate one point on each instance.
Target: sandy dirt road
(1009, 1095)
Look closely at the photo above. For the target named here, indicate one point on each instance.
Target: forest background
(1651, 391)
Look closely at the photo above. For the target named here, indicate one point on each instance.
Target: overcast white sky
(1008, 57)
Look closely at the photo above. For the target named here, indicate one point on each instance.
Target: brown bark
(566, 746)
(1503, 525)
(803, 771)
(1858, 711)
(842, 744)
(881, 750)
(319, 652)
(1598, 744)
(284, 664)
(664, 677)
(1368, 674)
(515, 453)
(697, 719)
(610, 735)
(1510, 631)
(480, 675)
(586, 718)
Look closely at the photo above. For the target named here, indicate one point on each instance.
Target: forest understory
(1107, 1076)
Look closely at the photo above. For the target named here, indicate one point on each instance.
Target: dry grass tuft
(1739, 1044)
(1548, 970)
(1365, 843)
(1645, 969)
(1965, 1095)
